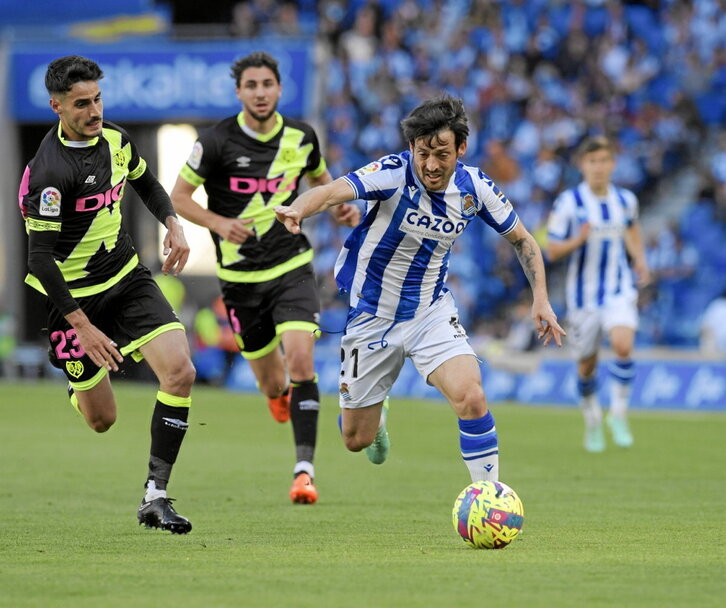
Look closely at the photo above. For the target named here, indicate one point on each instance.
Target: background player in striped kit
(596, 224)
(394, 267)
(248, 164)
(102, 302)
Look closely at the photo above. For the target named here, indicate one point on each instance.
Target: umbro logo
(309, 404)
(91, 179)
(176, 423)
(243, 161)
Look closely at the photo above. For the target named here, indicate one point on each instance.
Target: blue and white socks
(480, 447)
(622, 373)
(589, 404)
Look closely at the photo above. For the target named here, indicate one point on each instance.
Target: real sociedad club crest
(469, 205)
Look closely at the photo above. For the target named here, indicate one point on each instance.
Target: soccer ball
(488, 515)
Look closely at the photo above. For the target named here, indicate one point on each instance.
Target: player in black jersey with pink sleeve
(102, 303)
(248, 164)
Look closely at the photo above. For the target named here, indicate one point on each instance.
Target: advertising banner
(673, 385)
(161, 81)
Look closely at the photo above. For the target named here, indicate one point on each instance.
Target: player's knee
(300, 365)
(180, 376)
(471, 402)
(355, 442)
(622, 351)
(272, 387)
(100, 424)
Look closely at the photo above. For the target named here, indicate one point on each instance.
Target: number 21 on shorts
(352, 365)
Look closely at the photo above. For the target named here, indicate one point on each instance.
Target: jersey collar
(260, 136)
(86, 143)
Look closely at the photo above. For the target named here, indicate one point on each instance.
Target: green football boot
(377, 451)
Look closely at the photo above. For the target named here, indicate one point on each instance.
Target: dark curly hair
(436, 115)
(66, 71)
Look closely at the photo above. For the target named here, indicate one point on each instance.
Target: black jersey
(247, 175)
(75, 189)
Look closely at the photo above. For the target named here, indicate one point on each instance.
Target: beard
(262, 117)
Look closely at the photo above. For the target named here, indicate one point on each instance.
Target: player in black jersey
(102, 303)
(248, 164)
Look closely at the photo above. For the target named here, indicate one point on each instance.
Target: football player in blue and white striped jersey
(596, 224)
(394, 266)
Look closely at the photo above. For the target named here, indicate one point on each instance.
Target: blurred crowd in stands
(536, 77)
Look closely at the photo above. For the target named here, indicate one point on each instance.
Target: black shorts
(131, 313)
(260, 313)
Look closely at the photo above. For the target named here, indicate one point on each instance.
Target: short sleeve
(496, 210)
(202, 159)
(316, 165)
(378, 180)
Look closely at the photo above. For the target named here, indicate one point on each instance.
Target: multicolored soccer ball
(488, 515)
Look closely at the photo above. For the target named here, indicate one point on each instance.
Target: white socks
(591, 411)
(304, 467)
(619, 397)
(152, 493)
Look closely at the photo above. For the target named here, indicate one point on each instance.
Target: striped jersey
(246, 175)
(76, 190)
(394, 263)
(598, 270)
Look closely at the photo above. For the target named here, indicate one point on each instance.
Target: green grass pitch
(638, 527)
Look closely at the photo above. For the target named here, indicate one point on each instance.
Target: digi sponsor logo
(250, 185)
(102, 199)
(50, 199)
(428, 227)
(195, 158)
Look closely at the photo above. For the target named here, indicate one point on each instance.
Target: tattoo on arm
(527, 255)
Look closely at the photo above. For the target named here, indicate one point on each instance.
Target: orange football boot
(280, 406)
(303, 491)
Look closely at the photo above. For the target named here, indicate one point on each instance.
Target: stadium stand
(536, 77)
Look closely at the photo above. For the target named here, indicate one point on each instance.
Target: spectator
(713, 327)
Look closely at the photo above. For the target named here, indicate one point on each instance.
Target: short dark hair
(66, 71)
(436, 115)
(594, 143)
(258, 59)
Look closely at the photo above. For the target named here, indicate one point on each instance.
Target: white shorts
(373, 350)
(585, 327)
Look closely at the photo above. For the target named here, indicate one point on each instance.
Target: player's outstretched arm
(344, 214)
(530, 257)
(314, 201)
